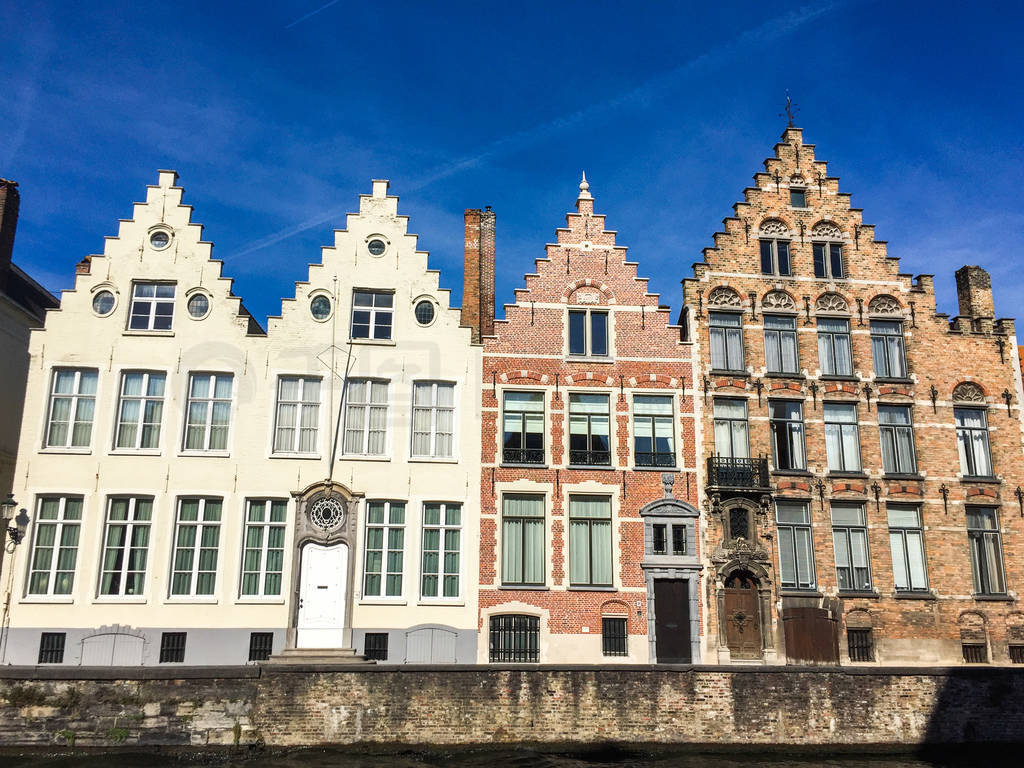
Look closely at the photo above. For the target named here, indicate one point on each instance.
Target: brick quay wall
(445, 706)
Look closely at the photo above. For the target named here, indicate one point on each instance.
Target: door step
(318, 656)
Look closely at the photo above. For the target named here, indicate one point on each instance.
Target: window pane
(767, 267)
(577, 333)
(598, 333)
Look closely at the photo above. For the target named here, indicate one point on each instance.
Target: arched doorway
(742, 615)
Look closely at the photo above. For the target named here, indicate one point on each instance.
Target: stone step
(318, 656)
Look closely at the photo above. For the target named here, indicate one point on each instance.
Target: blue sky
(277, 119)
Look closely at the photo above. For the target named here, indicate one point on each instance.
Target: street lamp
(16, 532)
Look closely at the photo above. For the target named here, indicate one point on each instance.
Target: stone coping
(253, 671)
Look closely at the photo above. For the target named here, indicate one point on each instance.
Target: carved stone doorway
(742, 616)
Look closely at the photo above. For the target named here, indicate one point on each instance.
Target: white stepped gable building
(189, 502)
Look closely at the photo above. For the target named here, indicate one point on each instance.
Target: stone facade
(590, 542)
(189, 504)
(843, 525)
(774, 707)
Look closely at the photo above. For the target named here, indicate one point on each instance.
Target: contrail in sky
(301, 19)
(769, 30)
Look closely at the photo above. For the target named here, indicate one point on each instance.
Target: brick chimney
(9, 202)
(478, 280)
(974, 291)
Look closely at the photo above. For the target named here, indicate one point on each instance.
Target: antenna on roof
(791, 110)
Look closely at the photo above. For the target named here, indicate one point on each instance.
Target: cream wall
(295, 343)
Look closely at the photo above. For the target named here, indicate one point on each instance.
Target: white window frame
(144, 400)
(434, 410)
(76, 399)
(301, 405)
(588, 332)
(364, 428)
(848, 464)
(774, 339)
(386, 527)
(441, 573)
(966, 444)
(827, 341)
(903, 534)
(652, 420)
(154, 302)
(265, 525)
(131, 524)
(593, 531)
(731, 336)
(891, 344)
(375, 312)
(59, 524)
(890, 432)
(201, 525)
(787, 533)
(210, 401)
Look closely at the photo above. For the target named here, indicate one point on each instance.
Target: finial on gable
(585, 189)
(791, 110)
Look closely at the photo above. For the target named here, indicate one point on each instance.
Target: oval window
(376, 246)
(425, 312)
(103, 303)
(160, 239)
(198, 306)
(320, 307)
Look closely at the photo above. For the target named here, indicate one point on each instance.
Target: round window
(425, 312)
(327, 513)
(198, 305)
(160, 239)
(103, 303)
(376, 246)
(320, 307)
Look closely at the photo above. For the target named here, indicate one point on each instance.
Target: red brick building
(861, 451)
(589, 546)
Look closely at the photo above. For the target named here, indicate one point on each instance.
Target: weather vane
(791, 109)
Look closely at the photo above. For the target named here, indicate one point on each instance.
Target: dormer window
(798, 198)
(152, 307)
(588, 332)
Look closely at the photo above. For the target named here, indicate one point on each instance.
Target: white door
(322, 596)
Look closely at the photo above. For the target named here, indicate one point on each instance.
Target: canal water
(511, 758)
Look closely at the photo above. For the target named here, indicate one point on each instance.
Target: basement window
(376, 646)
(261, 645)
(51, 647)
(974, 653)
(1017, 654)
(861, 644)
(172, 647)
(613, 636)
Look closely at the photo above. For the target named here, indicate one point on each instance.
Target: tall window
(298, 415)
(385, 548)
(588, 332)
(796, 550)
(589, 437)
(906, 539)
(780, 347)
(55, 545)
(442, 540)
(652, 431)
(522, 540)
(72, 405)
(366, 417)
(209, 412)
(433, 419)
(726, 330)
(263, 554)
(590, 541)
(196, 539)
(775, 257)
(126, 545)
(152, 307)
(786, 418)
(887, 349)
(828, 260)
(986, 551)
(972, 442)
(372, 314)
(731, 428)
(140, 410)
(842, 437)
(850, 536)
(834, 346)
(523, 427)
(897, 435)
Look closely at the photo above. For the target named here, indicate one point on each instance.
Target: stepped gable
(584, 266)
(132, 251)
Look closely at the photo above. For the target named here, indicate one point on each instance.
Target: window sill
(140, 332)
(524, 466)
(68, 451)
(432, 460)
(919, 478)
(374, 342)
(190, 600)
(525, 588)
(741, 374)
(443, 603)
(591, 588)
(47, 600)
(114, 600)
(855, 594)
(849, 475)
(300, 456)
(790, 473)
(131, 452)
(777, 375)
(838, 377)
(893, 380)
(604, 359)
(259, 601)
(357, 457)
(982, 479)
(208, 454)
(596, 467)
(914, 595)
(791, 592)
(646, 468)
(993, 598)
(382, 601)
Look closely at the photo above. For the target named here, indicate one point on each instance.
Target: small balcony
(522, 455)
(727, 472)
(590, 458)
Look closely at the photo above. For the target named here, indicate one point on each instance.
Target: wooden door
(742, 617)
(812, 635)
(672, 621)
(322, 596)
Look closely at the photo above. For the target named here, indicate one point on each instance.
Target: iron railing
(523, 455)
(727, 472)
(515, 638)
(590, 458)
(648, 459)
